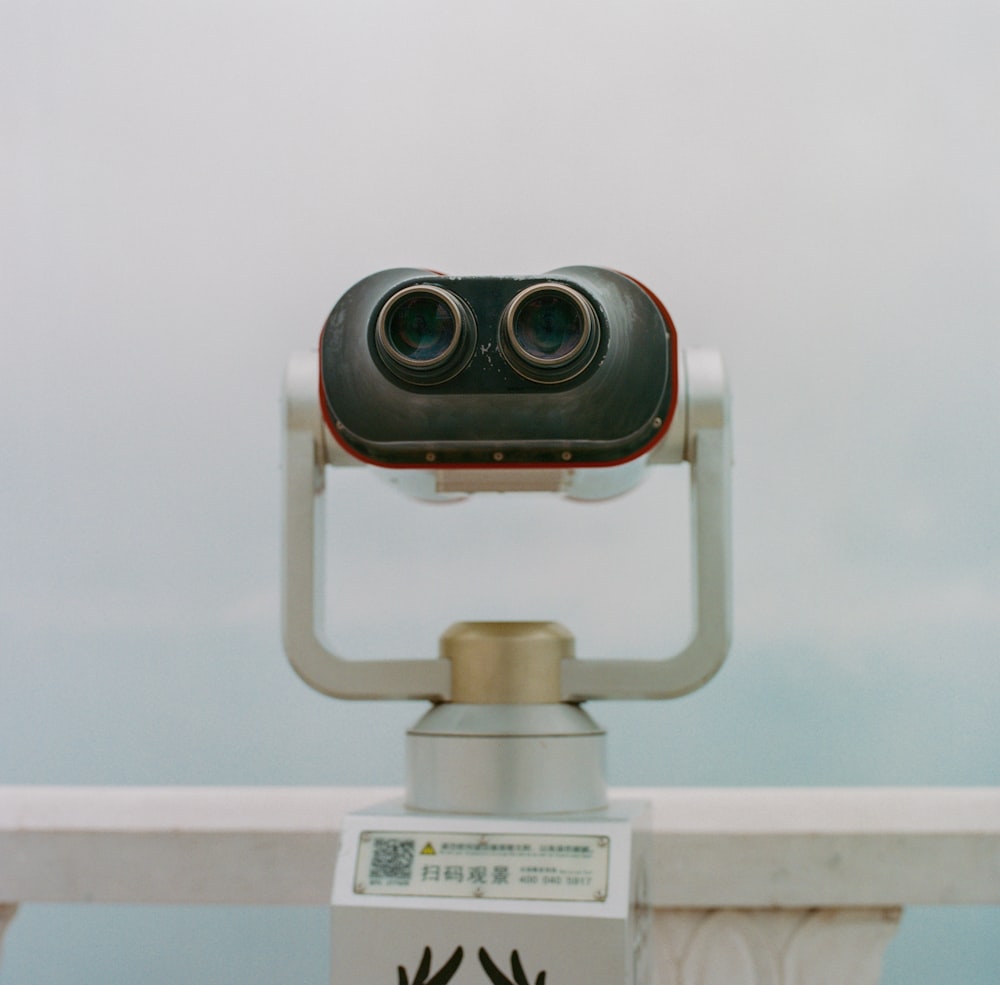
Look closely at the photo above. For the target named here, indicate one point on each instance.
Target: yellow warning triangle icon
(428, 849)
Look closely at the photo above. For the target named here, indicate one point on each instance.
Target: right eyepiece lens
(550, 328)
(419, 327)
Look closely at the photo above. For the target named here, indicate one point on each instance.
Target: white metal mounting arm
(703, 418)
(699, 434)
(307, 451)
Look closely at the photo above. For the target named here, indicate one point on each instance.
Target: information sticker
(490, 866)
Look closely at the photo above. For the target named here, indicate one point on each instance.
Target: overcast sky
(187, 190)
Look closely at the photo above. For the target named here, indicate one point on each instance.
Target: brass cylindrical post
(506, 663)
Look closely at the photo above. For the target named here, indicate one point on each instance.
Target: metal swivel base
(506, 744)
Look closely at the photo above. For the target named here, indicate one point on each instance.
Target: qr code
(392, 860)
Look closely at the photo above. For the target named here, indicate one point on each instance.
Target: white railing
(763, 886)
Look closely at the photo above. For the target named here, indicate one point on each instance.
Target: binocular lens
(420, 328)
(424, 334)
(548, 327)
(550, 330)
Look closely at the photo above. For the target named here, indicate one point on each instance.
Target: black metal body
(487, 414)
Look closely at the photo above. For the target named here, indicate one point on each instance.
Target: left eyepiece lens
(420, 327)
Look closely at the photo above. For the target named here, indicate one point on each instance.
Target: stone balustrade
(750, 886)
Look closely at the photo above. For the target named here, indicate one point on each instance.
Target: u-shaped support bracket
(699, 434)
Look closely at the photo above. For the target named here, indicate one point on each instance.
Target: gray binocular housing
(578, 365)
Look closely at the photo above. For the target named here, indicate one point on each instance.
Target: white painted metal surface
(581, 919)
